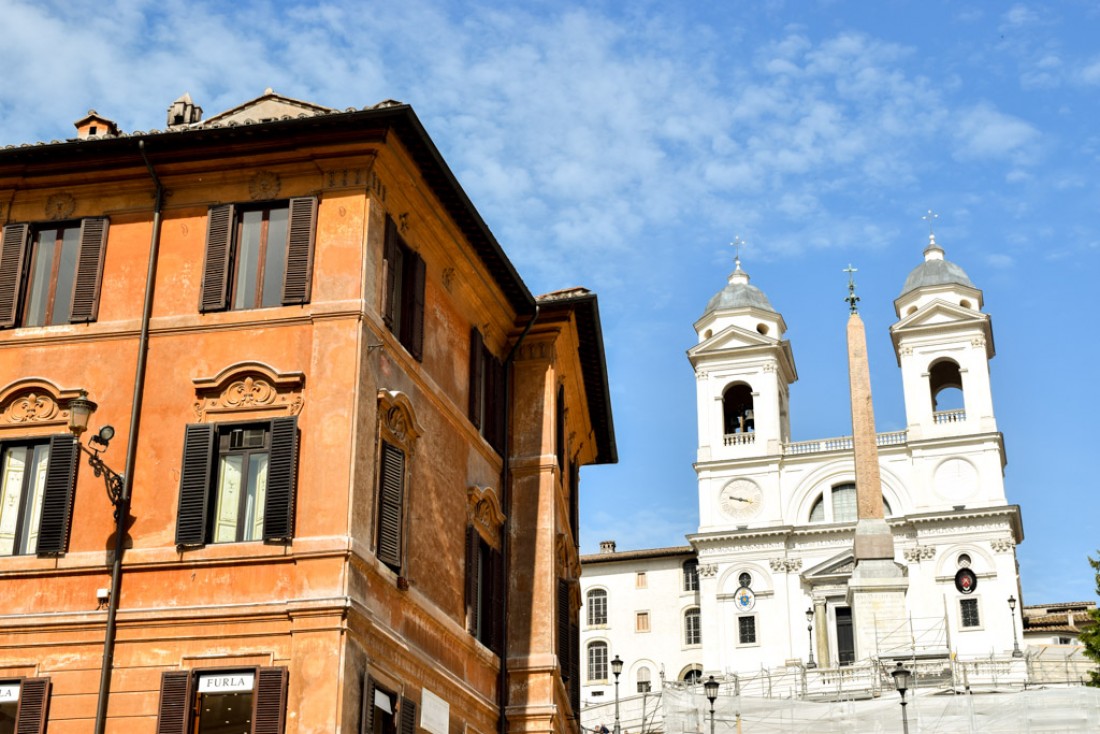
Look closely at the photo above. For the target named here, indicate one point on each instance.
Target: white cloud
(1090, 73)
(984, 132)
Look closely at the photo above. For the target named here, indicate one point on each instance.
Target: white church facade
(765, 582)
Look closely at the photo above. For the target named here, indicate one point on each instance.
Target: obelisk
(876, 590)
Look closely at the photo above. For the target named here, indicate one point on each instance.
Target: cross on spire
(737, 244)
(851, 298)
(931, 218)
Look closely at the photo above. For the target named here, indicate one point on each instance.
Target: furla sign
(226, 682)
(9, 692)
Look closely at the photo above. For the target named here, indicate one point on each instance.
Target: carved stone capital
(920, 553)
(786, 565)
(708, 570)
(1002, 545)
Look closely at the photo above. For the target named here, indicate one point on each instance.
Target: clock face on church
(741, 499)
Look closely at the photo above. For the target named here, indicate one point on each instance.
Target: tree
(1090, 636)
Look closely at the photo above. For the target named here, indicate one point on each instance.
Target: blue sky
(621, 146)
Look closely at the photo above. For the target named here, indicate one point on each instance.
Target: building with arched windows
(764, 582)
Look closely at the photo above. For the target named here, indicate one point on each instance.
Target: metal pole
(712, 716)
(904, 716)
(617, 705)
(810, 633)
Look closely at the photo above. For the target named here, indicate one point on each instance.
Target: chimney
(94, 125)
(183, 112)
(607, 546)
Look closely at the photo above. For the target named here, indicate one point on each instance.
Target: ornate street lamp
(1016, 652)
(711, 687)
(617, 669)
(810, 632)
(901, 682)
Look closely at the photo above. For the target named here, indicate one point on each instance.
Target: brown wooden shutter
(269, 704)
(563, 627)
(473, 545)
(408, 716)
(13, 254)
(175, 702)
(495, 404)
(89, 270)
(477, 376)
(574, 667)
(57, 500)
(415, 313)
(390, 272)
(282, 472)
(34, 703)
(301, 234)
(196, 470)
(495, 617)
(391, 499)
(217, 266)
(366, 706)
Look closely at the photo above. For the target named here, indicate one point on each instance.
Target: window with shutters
(223, 700)
(403, 295)
(259, 255)
(23, 705)
(37, 480)
(691, 575)
(487, 407)
(484, 567)
(238, 482)
(397, 431)
(51, 273)
(383, 712)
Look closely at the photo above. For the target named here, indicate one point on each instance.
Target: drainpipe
(506, 500)
(122, 507)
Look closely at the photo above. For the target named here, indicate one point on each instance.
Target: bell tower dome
(943, 342)
(743, 369)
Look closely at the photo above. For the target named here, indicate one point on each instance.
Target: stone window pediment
(248, 390)
(34, 402)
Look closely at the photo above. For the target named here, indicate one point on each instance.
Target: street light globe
(711, 687)
(616, 666)
(901, 678)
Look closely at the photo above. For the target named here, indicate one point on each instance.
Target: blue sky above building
(623, 146)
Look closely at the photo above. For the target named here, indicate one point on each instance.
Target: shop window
(219, 701)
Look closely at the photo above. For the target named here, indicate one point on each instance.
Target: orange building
(346, 437)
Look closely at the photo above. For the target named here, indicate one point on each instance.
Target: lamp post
(617, 668)
(810, 632)
(711, 687)
(901, 682)
(1016, 652)
(80, 413)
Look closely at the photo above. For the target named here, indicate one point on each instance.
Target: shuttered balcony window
(238, 482)
(37, 480)
(487, 407)
(259, 256)
(403, 297)
(484, 582)
(391, 507)
(51, 274)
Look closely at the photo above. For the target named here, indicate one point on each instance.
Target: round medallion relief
(956, 479)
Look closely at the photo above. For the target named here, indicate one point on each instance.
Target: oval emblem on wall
(965, 581)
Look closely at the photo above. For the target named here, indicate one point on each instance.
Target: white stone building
(776, 518)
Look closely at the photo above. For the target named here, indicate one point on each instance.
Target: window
(390, 529)
(693, 634)
(258, 256)
(641, 581)
(484, 577)
(569, 643)
(744, 579)
(597, 607)
(945, 383)
(238, 482)
(36, 495)
(213, 701)
(486, 392)
(641, 622)
(692, 675)
(597, 661)
(644, 680)
(968, 611)
(51, 274)
(746, 630)
(737, 412)
(381, 714)
(23, 704)
(691, 575)
(403, 297)
(840, 502)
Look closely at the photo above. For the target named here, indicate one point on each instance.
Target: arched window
(691, 575)
(693, 633)
(737, 413)
(945, 383)
(644, 680)
(841, 503)
(694, 674)
(597, 607)
(597, 661)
